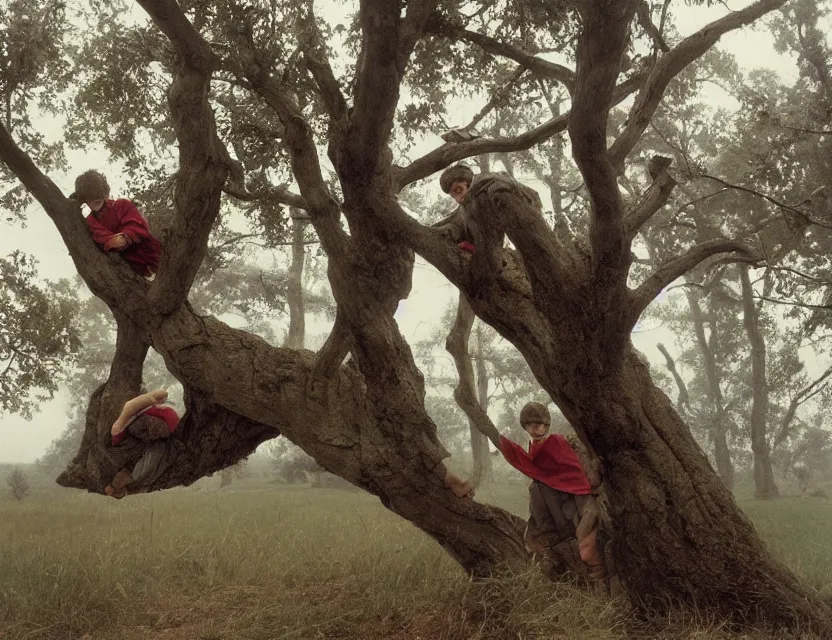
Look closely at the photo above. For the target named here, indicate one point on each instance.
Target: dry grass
(297, 563)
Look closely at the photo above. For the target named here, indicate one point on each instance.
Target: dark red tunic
(122, 216)
(552, 461)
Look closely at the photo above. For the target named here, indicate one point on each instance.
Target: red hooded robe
(122, 216)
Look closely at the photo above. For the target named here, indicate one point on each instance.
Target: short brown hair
(534, 412)
(91, 185)
(456, 173)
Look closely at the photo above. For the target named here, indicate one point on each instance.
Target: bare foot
(463, 490)
(118, 495)
(460, 488)
(120, 481)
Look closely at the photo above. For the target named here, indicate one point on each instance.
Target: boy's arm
(118, 242)
(133, 224)
(483, 423)
(100, 234)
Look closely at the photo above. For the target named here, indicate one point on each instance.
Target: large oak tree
(564, 302)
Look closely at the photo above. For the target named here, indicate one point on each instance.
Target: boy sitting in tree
(117, 225)
(456, 181)
(561, 505)
(148, 419)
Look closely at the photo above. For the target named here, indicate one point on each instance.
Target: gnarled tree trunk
(679, 535)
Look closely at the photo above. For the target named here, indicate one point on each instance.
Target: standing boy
(561, 505)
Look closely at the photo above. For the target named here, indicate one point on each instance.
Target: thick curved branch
(387, 43)
(673, 63)
(192, 49)
(449, 153)
(465, 392)
(442, 252)
(316, 60)
(241, 391)
(684, 398)
(602, 43)
(655, 198)
(336, 347)
(498, 205)
(97, 461)
(204, 163)
(203, 169)
(645, 293)
(339, 429)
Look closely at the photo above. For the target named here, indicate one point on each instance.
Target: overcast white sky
(22, 441)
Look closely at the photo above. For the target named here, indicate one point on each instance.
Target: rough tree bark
(764, 485)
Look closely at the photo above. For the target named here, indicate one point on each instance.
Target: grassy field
(271, 562)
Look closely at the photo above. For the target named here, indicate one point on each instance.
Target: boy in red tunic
(117, 225)
(148, 419)
(562, 507)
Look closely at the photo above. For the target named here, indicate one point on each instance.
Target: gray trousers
(152, 464)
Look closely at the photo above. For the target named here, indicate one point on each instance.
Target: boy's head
(535, 419)
(456, 181)
(91, 187)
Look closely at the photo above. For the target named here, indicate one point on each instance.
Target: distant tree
(232, 473)
(812, 456)
(290, 463)
(37, 339)
(18, 484)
